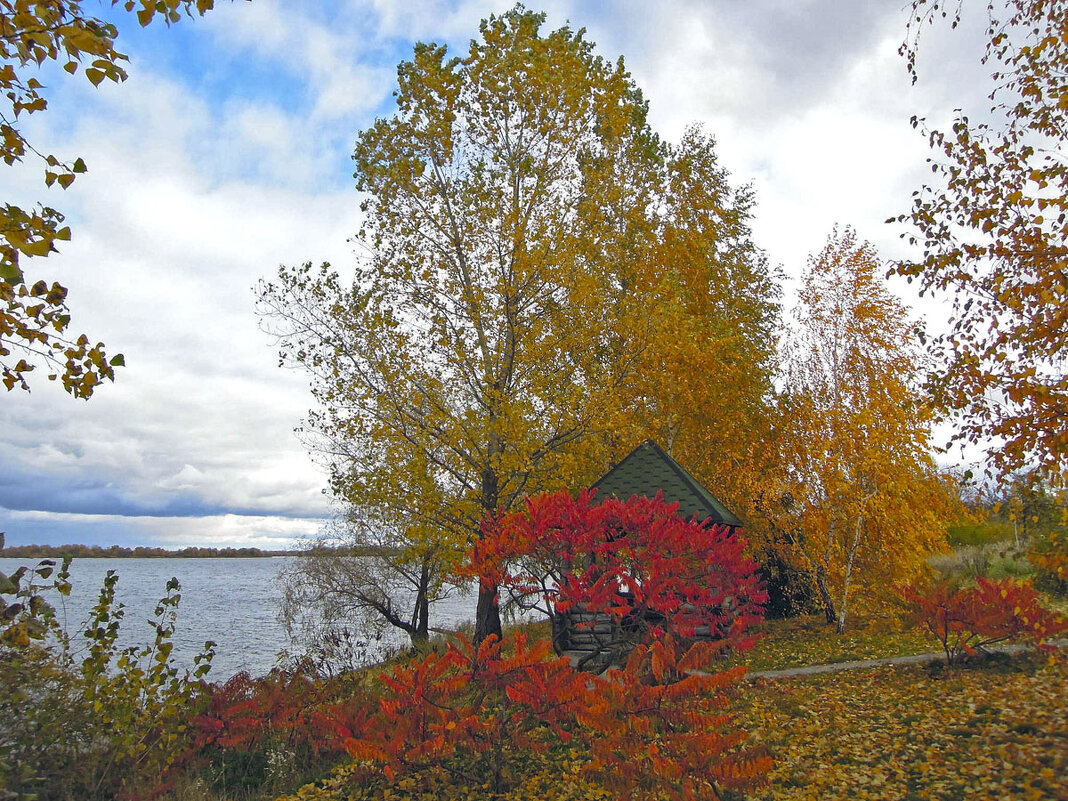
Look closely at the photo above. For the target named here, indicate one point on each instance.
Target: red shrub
(967, 620)
(659, 728)
(293, 707)
(634, 560)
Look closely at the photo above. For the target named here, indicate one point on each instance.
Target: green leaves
(96, 721)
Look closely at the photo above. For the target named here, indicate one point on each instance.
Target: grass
(993, 560)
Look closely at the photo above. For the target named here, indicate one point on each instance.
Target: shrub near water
(82, 718)
(264, 733)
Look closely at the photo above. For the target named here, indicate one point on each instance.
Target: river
(233, 602)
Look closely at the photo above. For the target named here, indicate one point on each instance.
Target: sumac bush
(967, 620)
(636, 561)
(256, 733)
(483, 721)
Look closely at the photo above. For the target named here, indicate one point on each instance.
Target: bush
(262, 733)
(966, 621)
(484, 722)
(635, 562)
(94, 721)
(1050, 558)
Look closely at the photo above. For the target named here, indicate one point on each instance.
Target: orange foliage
(993, 225)
(658, 728)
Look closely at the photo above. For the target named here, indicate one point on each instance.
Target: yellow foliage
(523, 316)
(547, 779)
(861, 493)
(896, 734)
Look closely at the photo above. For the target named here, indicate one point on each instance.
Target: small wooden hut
(593, 640)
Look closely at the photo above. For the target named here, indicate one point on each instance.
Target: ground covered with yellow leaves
(912, 733)
(809, 640)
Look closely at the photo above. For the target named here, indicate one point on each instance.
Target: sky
(227, 153)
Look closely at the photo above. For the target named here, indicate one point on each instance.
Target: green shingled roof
(648, 469)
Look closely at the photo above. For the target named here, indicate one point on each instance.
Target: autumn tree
(864, 494)
(359, 575)
(993, 226)
(703, 381)
(34, 317)
(513, 283)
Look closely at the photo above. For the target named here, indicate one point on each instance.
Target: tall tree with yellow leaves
(527, 272)
(469, 360)
(866, 500)
(993, 226)
(703, 384)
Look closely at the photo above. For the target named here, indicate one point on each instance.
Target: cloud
(221, 531)
(162, 267)
(327, 47)
(226, 153)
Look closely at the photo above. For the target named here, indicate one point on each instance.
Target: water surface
(233, 602)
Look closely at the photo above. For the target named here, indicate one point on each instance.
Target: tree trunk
(421, 636)
(849, 573)
(825, 595)
(487, 611)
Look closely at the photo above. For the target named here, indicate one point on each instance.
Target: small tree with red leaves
(966, 621)
(636, 563)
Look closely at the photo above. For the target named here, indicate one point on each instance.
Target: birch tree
(866, 499)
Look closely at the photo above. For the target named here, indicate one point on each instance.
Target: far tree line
(137, 552)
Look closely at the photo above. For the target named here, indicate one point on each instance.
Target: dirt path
(834, 667)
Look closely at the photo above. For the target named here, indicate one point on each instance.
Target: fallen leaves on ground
(902, 733)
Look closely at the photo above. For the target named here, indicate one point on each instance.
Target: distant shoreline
(139, 552)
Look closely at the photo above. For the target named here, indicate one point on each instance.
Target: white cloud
(192, 198)
(328, 53)
(220, 531)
